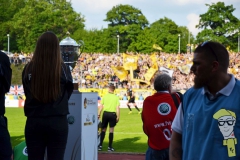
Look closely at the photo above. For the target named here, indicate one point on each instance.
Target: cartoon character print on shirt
(226, 122)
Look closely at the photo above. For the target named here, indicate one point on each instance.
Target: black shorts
(109, 117)
(131, 100)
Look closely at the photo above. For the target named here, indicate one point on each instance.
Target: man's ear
(215, 66)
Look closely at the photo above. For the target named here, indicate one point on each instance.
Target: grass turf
(128, 133)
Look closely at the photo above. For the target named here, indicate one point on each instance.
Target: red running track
(120, 156)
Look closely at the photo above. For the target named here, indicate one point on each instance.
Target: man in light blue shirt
(206, 125)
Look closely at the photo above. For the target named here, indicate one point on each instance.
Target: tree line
(25, 20)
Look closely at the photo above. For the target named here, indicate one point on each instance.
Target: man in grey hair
(163, 82)
(157, 115)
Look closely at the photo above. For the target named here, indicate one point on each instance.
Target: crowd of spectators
(94, 70)
(19, 58)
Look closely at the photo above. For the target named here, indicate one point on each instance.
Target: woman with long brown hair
(47, 83)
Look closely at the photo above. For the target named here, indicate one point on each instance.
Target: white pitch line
(114, 132)
(129, 132)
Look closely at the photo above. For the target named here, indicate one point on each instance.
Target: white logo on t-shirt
(164, 109)
(25, 152)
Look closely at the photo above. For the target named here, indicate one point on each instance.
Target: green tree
(126, 15)
(109, 42)
(219, 24)
(144, 42)
(163, 33)
(96, 40)
(166, 31)
(8, 8)
(127, 22)
(39, 16)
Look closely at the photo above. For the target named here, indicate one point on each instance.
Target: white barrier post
(83, 130)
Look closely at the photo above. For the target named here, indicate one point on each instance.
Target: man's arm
(118, 113)
(175, 151)
(133, 95)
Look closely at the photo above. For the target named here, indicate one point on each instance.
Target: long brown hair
(45, 68)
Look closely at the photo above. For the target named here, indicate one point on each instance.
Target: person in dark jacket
(47, 84)
(5, 82)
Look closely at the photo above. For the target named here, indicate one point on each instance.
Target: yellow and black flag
(130, 61)
(120, 72)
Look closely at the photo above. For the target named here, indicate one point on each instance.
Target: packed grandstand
(95, 71)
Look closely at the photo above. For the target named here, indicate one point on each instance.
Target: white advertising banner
(123, 103)
(82, 136)
(11, 103)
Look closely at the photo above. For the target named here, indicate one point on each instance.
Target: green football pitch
(128, 133)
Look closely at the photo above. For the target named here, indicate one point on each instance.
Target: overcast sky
(182, 12)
